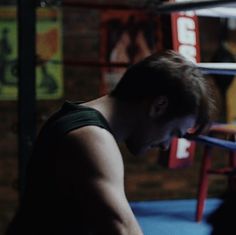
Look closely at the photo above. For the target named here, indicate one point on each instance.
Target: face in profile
(153, 134)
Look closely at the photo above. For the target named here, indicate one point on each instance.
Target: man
(221, 219)
(76, 174)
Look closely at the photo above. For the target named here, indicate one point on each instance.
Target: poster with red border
(126, 38)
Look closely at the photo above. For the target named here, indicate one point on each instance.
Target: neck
(122, 117)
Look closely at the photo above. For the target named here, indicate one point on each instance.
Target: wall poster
(126, 37)
(49, 77)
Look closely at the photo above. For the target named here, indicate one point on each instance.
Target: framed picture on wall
(49, 71)
(126, 38)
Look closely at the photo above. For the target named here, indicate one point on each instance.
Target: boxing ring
(173, 217)
(159, 217)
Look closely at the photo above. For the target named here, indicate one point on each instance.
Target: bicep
(99, 160)
(105, 202)
(108, 208)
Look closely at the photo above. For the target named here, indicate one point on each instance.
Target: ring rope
(190, 5)
(218, 68)
(222, 12)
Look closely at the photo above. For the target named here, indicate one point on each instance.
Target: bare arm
(104, 175)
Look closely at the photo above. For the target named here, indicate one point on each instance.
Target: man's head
(173, 84)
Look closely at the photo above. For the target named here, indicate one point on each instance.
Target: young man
(76, 174)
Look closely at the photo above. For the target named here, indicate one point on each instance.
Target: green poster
(49, 76)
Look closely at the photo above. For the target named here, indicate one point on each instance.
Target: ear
(158, 106)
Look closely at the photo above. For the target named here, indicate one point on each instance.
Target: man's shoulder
(98, 149)
(90, 134)
(92, 138)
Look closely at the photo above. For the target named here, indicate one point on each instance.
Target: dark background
(144, 179)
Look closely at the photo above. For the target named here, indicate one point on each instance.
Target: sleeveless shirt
(42, 200)
(72, 116)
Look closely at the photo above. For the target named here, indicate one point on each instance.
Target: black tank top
(30, 218)
(73, 115)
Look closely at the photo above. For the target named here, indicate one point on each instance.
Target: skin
(96, 150)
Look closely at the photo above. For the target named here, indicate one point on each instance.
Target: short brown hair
(172, 75)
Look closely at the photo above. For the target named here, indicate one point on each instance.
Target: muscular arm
(107, 207)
